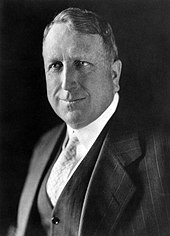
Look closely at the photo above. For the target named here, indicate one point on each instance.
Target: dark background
(142, 30)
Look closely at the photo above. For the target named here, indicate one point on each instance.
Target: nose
(68, 78)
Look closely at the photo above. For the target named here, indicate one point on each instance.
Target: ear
(116, 68)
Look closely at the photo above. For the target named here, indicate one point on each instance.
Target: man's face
(78, 75)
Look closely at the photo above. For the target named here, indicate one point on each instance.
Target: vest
(69, 205)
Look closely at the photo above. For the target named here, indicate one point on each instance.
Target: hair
(86, 22)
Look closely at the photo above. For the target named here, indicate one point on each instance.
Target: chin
(74, 120)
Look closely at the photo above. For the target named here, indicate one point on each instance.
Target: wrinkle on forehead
(65, 43)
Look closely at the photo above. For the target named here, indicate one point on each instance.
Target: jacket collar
(110, 187)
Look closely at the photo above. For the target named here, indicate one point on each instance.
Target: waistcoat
(67, 211)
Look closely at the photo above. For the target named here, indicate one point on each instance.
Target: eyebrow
(80, 57)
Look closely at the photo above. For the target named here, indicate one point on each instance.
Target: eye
(56, 66)
(81, 64)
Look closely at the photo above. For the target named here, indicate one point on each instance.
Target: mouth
(72, 101)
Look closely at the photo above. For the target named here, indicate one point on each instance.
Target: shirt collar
(88, 134)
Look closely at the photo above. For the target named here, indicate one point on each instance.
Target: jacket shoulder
(47, 137)
(46, 144)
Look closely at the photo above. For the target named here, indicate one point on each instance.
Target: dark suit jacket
(129, 190)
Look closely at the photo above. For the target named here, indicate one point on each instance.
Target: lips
(72, 100)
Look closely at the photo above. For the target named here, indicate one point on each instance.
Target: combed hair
(86, 22)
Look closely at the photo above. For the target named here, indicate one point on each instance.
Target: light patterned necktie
(62, 169)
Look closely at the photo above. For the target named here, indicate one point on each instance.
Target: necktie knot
(73, 141)
(70, 149)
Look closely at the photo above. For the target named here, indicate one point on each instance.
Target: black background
(142, 30)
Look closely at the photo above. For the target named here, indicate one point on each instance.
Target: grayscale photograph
(85, 118)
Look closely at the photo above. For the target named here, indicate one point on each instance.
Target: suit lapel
(110, 187)
(39, 162)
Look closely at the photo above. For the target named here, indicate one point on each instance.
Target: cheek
(100, 88)
(52, 84)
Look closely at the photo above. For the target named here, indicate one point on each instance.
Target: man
(117, 180)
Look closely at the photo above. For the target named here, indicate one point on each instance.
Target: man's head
(81, 65)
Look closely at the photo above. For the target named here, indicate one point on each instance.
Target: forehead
(62, 41)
